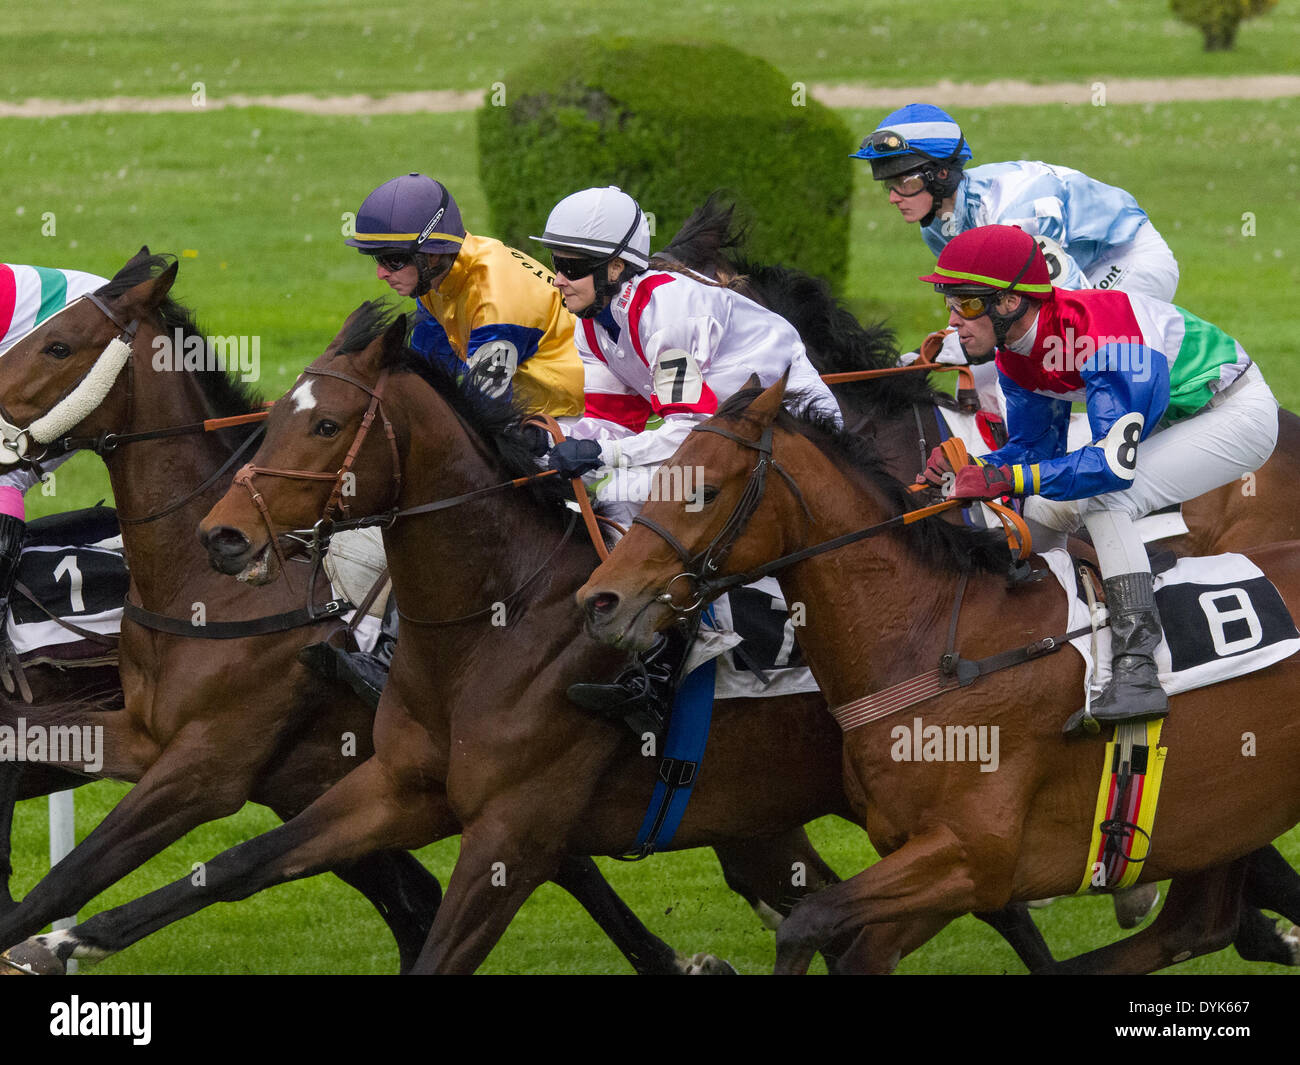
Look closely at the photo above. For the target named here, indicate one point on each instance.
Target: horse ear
(147, 295)
(765, 407)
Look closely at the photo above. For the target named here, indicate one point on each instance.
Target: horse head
(329, 422)
(658, 570)
(66, 373)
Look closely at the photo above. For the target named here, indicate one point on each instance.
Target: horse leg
(1271, 884)
(1014, 924)
(648, 954)
(366, 811)
(877, 949)
(1200, 916)
(404, 892)
(927, 876)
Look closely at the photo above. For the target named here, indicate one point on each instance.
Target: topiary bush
(1219, 20)
(648, 117)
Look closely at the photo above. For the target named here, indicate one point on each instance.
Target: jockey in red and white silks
(661, 350)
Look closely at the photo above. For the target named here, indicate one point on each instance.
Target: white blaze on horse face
(303, 398)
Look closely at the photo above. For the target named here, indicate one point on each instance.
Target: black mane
(953, 548)
(710, 242)
(225, 394)
(496, 420)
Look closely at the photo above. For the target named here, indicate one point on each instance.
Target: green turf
(87, 48)
(257, 197)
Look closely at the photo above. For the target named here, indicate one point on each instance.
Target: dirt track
(943, 94)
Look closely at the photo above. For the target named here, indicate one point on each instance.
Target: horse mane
(952, 548)
(710, 245)
(495, 420)
(224, 394)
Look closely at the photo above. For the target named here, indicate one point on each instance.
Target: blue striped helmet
(910, 137)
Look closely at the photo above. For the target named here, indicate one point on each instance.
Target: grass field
(253, 202)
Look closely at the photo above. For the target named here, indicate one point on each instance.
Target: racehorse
(209, 724)
(965, 839)
(481, 707)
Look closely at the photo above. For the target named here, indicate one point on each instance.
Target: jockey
(480, 304)
(28, 296)
(1176, 408)
(1092, 235)
(481, 307)
(661, 351)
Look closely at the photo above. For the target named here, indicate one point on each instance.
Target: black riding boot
(1134, 692)
(365, 673)
(642, 695)
(13, 531)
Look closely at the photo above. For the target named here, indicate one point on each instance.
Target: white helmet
(599, 223)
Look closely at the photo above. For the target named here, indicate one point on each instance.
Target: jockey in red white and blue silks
(661, 350)
(28, 296)
(1176, 407)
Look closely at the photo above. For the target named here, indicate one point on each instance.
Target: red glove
(936, 468)
(983, 482)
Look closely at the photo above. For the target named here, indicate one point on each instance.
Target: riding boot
(365, 673)
(1134, 692)
(642, 695)
(13, 531)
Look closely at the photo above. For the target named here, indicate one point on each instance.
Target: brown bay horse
(209, 724)
(475, 715)
(877, 614)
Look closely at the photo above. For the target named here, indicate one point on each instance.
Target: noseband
(79, 401)
(701, 567)
(318, 536)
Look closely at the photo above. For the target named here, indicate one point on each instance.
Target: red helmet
(992, 257)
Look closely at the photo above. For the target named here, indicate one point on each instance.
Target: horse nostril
(225, 541)
(601, 603)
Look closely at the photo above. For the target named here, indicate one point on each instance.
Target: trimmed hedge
(647, 117)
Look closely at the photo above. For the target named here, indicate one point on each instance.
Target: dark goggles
(574, 268)
(394, 261)
(885, 140)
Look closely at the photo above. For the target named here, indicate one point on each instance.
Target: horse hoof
(1291, 937)
(31, 958)
(1134, 905)
(706, 965)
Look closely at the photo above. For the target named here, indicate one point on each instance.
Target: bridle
(80, 400)
(700, 567)
(317, 538)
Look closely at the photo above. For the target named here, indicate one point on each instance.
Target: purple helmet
(410, 213)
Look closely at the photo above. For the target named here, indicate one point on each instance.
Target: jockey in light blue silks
(28, 296)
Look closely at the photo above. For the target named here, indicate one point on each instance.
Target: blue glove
(573, 458)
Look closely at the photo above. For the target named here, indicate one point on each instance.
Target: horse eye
(326, 428)
(58, 349)
(708, 495)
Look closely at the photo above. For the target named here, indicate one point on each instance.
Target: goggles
(575, 269)
(905, 184)
(971, 307)
(885, 140)
(394, 261)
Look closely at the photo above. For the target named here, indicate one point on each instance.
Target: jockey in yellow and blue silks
(482, 308)
(481, 305)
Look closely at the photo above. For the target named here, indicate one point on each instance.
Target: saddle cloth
(1221, 615)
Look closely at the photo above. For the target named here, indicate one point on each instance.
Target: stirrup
(364, 673)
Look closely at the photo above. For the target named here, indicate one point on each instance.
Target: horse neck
(149, 476)
(877, 597)
(465, 559)
(902, 437)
